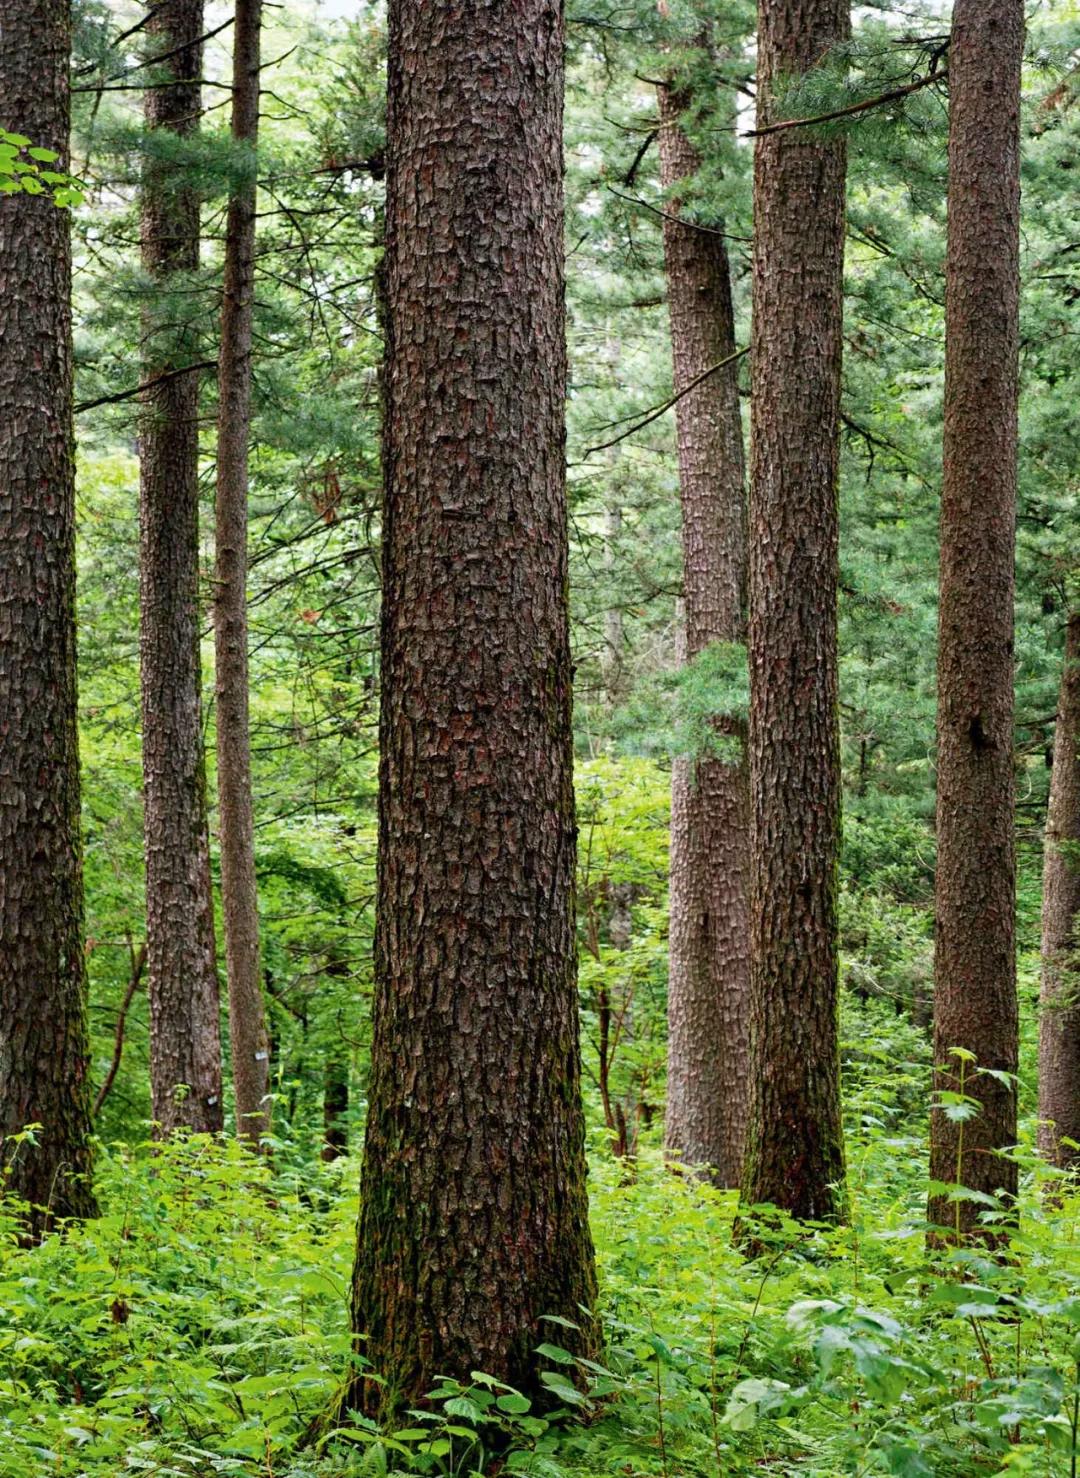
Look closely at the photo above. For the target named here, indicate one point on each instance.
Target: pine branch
(853, 108)
(187, 369)
(155, 61)
(137, 86)
(666, 215)
(631, 174)
(658, 411)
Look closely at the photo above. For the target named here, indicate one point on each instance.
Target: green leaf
(514, 1404)
(752, 1399)
(559, 1386)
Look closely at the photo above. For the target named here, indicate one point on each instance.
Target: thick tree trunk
(239, 893)
(44, 1049)
(975, 962)
(473, 1221)
(794, 1149)
(185, 1024)
(709, 971)
(1059, 1023)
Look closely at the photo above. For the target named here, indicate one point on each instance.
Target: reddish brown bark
(1059, 1022)
(239, 891)
(794, 1150)
(709, 971)
(44, 1049)
(473, 1221)
(185, 1025)
(975, 1005)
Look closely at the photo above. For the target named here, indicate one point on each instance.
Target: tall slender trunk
(44, 1047)
(1059, 1022)
(335, 1107)
(613, 655)
(794, 1149)
(239, 893)
(709, 969)
(473, 1221)
(185, 1012)
(975, 1005)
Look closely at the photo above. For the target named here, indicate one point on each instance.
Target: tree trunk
(473, 1222)
(335, 1107)
(185, 1013)
(794, 1149)
(44, 1048)
(709, 969)
(239, 893)
(613, 654)
(1059, 1023)
(975, 1005)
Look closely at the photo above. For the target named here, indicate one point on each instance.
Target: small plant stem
(959, 1153)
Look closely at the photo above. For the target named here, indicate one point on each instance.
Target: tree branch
(631, 174)
(187, 369)
(138, 965)
(666, 215)
(864, 107)
(659, 410)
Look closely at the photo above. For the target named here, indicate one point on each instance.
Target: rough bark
(975, 1005)
(1059, 1022)
(185, 1014)
(239, 892)
(709, 969)
(794, 1149)
(44, 1048)
(473, 1222)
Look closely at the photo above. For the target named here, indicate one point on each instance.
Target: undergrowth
(200, 1326)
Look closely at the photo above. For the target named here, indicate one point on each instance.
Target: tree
(975, 1006)
(185, 1028)
(473, 1222)
(709, 974)
(1059, 1020)
(239, 890)
(44, 1052)
(794, 1150)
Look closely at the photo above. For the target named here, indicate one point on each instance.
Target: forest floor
(200, 1326)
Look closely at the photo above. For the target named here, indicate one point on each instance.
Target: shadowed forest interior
(539, 738)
